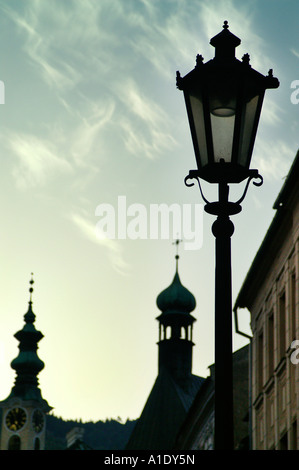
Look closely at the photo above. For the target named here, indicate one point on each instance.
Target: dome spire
(177, 242)
(27, 364)
(31, 282)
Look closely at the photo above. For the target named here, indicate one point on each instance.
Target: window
(294, 436)
(270, 344)
(293, 306)
(283, 444)
(36, 444)
(272, 414)
(260, 361)
(282, 324)
(14, 443)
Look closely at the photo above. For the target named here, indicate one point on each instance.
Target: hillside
(103, 435)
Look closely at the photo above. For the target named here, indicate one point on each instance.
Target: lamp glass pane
(199, 127)
(246, 136)
(223, 133)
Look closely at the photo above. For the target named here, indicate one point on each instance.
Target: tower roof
(164, 413)
(176, 298)
(27, 364)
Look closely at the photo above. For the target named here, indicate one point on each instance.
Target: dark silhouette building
(175, 386)
(197, 431)
(24, 410)
(270, 292)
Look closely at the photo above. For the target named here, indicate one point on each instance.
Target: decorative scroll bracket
(224, 207)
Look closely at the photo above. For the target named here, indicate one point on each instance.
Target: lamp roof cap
(225, 42)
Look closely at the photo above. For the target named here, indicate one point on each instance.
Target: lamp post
(224, 99)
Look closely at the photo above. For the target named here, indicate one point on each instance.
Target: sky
(93, 122)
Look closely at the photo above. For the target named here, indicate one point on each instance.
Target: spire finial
(31, 282)
(225, 25)
(177, 242)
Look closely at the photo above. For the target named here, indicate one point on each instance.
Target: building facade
(197, 431)
(270, 293)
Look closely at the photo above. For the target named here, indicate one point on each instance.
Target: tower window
(36, 444)
(14, 443)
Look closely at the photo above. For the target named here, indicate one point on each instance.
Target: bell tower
(175, 387)
(175, 328)
(24, 410)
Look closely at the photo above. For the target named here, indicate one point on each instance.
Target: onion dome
(176, 298)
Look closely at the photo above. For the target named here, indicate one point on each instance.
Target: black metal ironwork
(224, 206)
(223, 229)
(224, 99)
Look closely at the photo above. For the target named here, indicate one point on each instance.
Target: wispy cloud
(273, 160)
(38, 46)
(89, 67)
(66, 40)
(36, 161)
(272, 113)
(145, 124)
(296, 53)
(84, 138)
(88, 229)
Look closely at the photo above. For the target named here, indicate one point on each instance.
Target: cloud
(65, 40)
(37, 45)
(296, 53)
(91, 118)
(271, 112)
(145, 124)
(112, 246)
(273, 158)
(83, 51)
(37, 159)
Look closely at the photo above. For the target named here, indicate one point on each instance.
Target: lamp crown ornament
(225, 43)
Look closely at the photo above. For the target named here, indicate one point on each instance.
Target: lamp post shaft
(223, 229)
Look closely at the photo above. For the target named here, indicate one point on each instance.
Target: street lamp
(224, 99)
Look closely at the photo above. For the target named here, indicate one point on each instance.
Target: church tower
(24, 410)
(175, 387)
(175, 328)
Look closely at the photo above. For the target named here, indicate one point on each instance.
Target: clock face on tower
(37, 420)
(16, 419)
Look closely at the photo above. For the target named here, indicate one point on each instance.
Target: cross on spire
(31, 282)
(177, 242)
